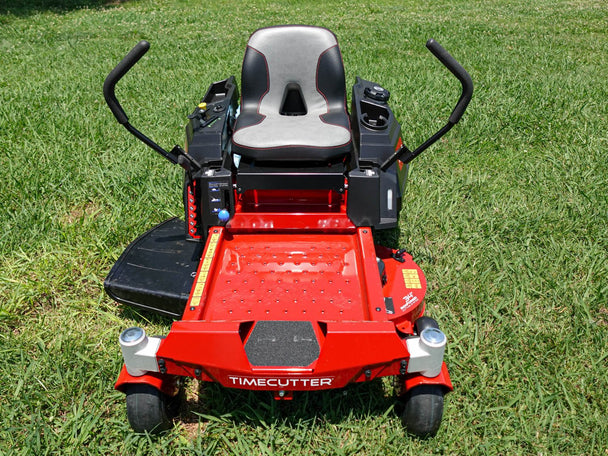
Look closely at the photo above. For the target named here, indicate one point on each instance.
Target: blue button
(223, 215)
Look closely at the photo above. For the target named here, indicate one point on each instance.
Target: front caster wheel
(423, 410)
(150, 410)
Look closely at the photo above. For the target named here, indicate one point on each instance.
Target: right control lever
(406, 155)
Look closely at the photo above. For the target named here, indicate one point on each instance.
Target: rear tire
(150, 410)
(423, 410)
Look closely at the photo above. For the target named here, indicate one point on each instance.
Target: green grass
(507, 215)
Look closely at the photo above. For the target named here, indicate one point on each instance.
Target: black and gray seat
(293, 99)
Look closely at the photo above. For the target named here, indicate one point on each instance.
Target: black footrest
(157, 270)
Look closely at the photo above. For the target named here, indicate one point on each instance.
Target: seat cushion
(279, 61)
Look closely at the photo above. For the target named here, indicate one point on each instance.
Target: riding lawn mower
(273, 277)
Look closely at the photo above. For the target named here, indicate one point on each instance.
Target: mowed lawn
(507, 215)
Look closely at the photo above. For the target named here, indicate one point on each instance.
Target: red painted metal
(313, 211)
(192, 211)
(442, 379)
(313, 222)
(319, 201)
(165, 383)
(406, 285)
(397, 147)
(283, 395)
(347, 351)
(295, 276)
(307, 264)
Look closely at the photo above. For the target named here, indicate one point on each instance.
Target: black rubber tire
(423, 410)
(150, 410)
(425, 322)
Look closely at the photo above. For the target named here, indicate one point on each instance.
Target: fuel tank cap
(377, 93)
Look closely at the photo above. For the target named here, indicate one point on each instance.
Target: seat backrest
(293, 70)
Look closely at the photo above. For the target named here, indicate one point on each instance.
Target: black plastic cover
(156, 271)
(208, 131)
(376, 132)
(295, 178)
(374, 195)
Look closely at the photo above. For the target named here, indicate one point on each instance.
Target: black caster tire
(423, 410)
(425, 322)
(150, 410)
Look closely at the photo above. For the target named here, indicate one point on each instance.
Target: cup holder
(378, 123)
(373, 116)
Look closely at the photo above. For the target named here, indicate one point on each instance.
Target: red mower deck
(295, 312)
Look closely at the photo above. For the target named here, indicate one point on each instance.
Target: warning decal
(204, 271)
(411, 278)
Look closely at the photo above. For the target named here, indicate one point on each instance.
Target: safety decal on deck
(411, 278)
(204, 272)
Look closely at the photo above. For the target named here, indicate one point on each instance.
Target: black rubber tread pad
(282, 343)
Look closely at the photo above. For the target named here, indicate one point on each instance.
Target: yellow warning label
(200, 286)
(201, 280)
(411, 278)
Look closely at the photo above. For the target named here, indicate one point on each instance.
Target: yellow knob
(202, 106)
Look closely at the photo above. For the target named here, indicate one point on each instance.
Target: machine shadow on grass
(259, 408)
(142, 317)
